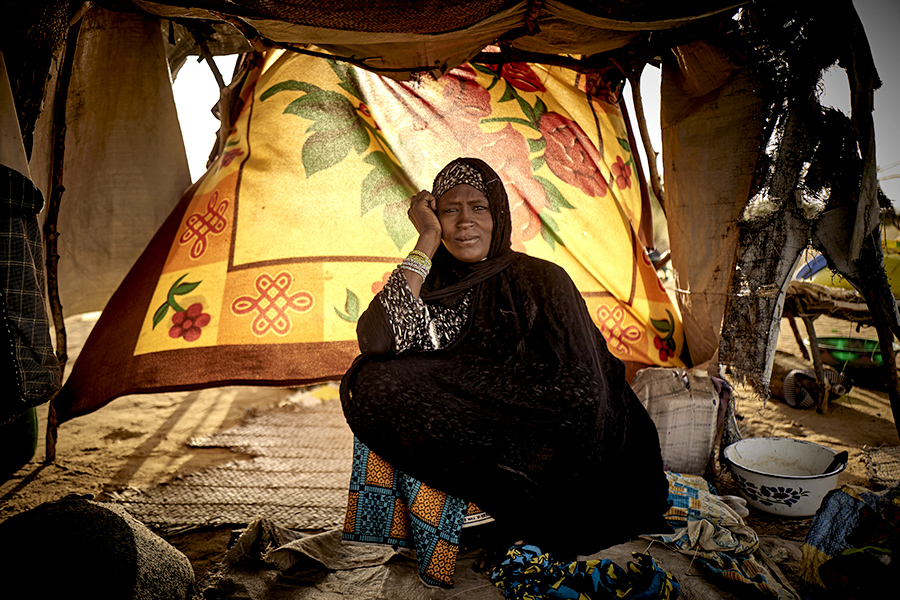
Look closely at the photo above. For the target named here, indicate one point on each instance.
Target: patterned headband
(455, 174)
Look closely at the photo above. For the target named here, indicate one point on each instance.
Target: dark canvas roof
(398, 38)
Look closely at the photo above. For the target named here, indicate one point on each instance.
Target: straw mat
(883, 465)
(298, 476)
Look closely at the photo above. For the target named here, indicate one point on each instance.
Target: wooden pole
(645, 227)
(655, 181)
(822, 384)
(51, 234)
(889, 368)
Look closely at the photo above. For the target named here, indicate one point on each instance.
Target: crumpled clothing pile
(711, 529)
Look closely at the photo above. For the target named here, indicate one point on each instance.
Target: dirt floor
(140, 441)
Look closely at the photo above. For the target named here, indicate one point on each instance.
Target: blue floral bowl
(783, 476)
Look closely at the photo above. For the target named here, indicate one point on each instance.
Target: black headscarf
(449, 277)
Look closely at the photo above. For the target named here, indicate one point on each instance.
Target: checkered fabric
(28, 364)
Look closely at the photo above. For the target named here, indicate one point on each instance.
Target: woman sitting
(483, 380)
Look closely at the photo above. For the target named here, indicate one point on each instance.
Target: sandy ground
(135, 441)
(141, 441)
(859, 420)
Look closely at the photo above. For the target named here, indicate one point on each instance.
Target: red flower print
(363, 108)
(571, 155)
(666, 348)
(379, 285)
(507, 151)
(188, 323)
(230, 155)
(466, 100)
(521, 77)
(597, 84)
(621, 174)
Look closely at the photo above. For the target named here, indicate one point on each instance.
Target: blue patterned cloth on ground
(848, 549)
(721, 545)
(528, 574)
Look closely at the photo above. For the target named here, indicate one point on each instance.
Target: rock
(77, 548)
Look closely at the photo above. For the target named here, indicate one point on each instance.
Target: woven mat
(883, 465)
(298, 476)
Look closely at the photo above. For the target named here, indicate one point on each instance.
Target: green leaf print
(329, 110)
(177, 289)
(336, 128)
(288, 86)
(536, 145)
(483, 69)
(539, 109)
(557, 200)
(324, 149)
(665, 326)
(397, 223)
(383, 184)
(549, 230)
(347, 76)
(351, 306)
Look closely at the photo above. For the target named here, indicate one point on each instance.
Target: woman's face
(466, 223)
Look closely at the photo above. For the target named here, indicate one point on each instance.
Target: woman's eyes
(456, 209)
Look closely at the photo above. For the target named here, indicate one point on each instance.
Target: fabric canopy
(397, 39)
(259, 274)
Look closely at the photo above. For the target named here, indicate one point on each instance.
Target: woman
(482, 376)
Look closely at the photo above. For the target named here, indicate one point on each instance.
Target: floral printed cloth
(262, 270)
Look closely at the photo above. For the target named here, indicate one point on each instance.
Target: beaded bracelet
(414, 267)
(417, 262)
(421, 258)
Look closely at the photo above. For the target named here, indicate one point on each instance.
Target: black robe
(526, 414)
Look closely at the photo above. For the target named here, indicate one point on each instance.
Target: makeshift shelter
(755, 170)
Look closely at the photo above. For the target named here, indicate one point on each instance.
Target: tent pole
(864, 80)
(50, 232)
(655, 182)
(645, 227)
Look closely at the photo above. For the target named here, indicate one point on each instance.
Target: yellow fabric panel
(295, 228)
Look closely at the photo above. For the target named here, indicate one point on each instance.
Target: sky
(881, 20)
(196, 93)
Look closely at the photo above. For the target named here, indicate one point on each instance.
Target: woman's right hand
(422, 214)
